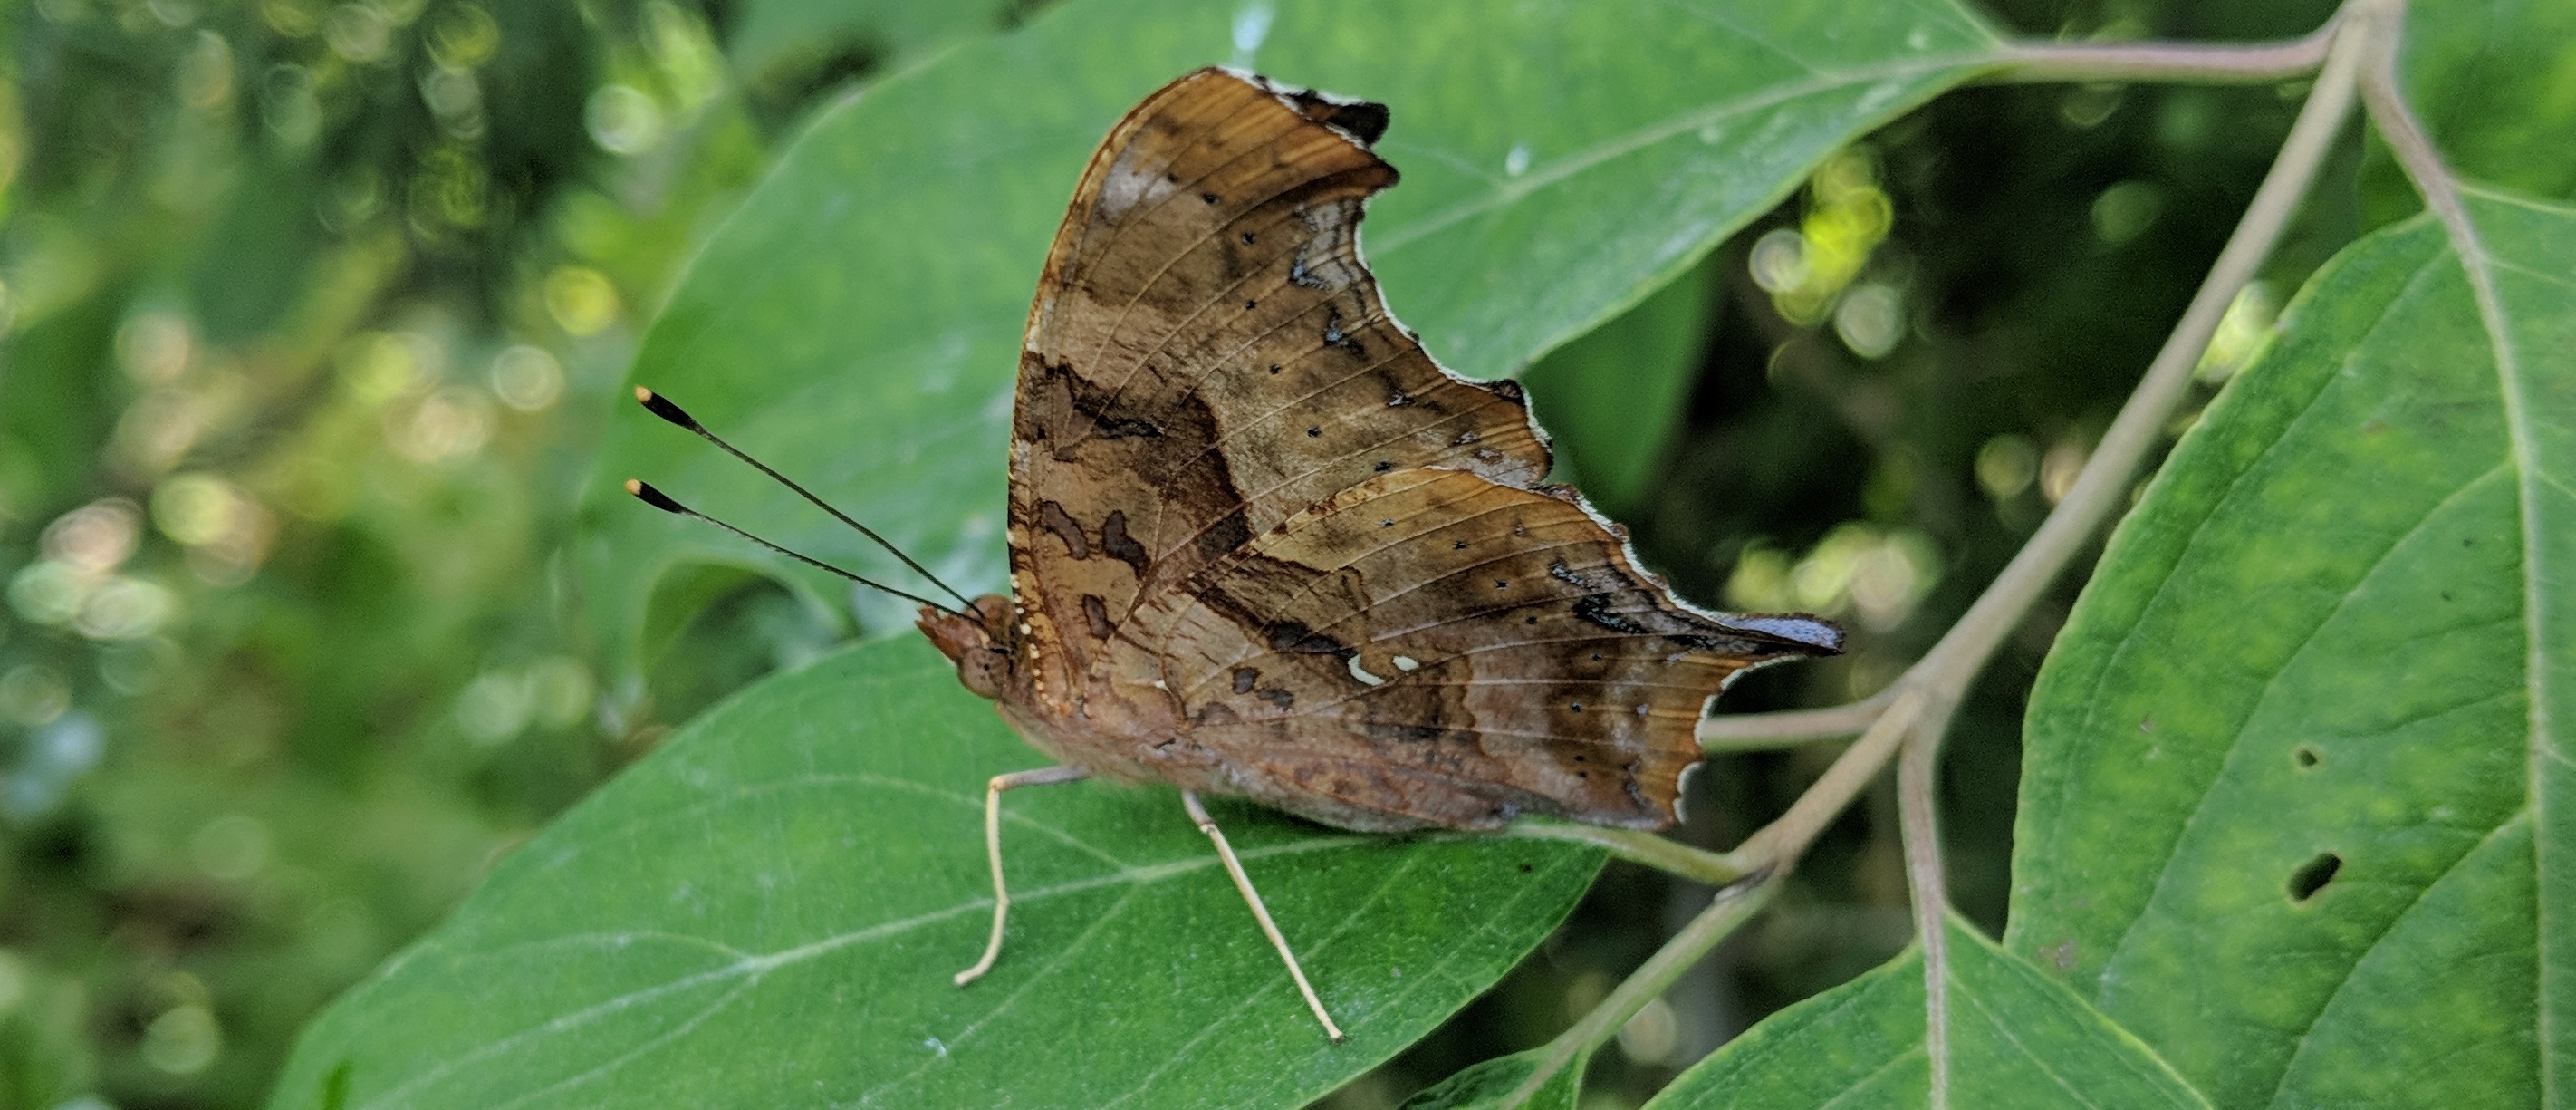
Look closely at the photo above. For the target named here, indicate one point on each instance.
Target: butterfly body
(1263, 546)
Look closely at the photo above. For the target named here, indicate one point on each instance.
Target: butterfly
(1263, 546)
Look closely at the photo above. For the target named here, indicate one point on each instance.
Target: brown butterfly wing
(1431, 648)
(1256, 531)
(1208, 355)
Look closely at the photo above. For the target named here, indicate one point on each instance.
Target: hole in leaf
(2306, 755)
(2313, 876)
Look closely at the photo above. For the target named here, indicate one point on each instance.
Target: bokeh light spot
(231, 847)
(288, 106)
(495, 707)
(2126, 210)
(2058, 469)
(623, 119)
(33, 694)
(205, 77)
(357, 32)
(2006, 465)
(452, 422)
(581, 300)
(125, 609)
(183, 1040)
(2242, 332)
(95, 538)
(153, 347)
(1778, 261)
(526, 378)
(1870, 320)
(463, 36)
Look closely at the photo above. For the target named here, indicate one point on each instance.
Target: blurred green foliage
(315, 311)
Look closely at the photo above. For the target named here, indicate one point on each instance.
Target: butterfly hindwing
(1434, 648)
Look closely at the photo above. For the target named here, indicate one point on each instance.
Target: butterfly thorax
(996, 652)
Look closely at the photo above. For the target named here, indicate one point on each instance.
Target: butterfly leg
(1043, 776)
(1251, 897)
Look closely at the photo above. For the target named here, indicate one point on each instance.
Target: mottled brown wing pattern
(1431, 648)
(1208, 355)
(1263, 545)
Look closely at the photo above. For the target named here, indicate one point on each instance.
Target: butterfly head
(978, 641)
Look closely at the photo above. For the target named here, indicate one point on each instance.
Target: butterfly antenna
(647, 494)
(662, 407)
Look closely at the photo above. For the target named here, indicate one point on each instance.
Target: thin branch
(2102, 485)
(1918, 817)
(2037, 62)
(1733, 907)
(1780, 843)
(1946, 670)
(1917, 708)
(1757, 732)
(1645, 848)
(2395, 121)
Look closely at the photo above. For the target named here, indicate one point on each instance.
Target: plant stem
(2396, 122)
(1918, 820)
(1645, 848)
(2103, 483)
(1732, 908)
(1780, 843)
(2030, 63)
(1755, 732)
(1914, 713)
(1946, 670)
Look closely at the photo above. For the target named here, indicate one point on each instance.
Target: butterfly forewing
(1264, 545)
(1208, 355)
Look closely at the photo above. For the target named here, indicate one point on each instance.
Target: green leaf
(770, 36)
(2496, 83)
(2017, 1038)
(2297, 786)
(1614, 396)
(766, 912)
(856, 322)
(1484, 1085)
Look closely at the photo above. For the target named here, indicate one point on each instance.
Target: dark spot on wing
(1097, 613)
(1294, 636)
(1596, 609)
(1053, 518)
(1129, 428)
(1244, 677)
(1121, 546)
